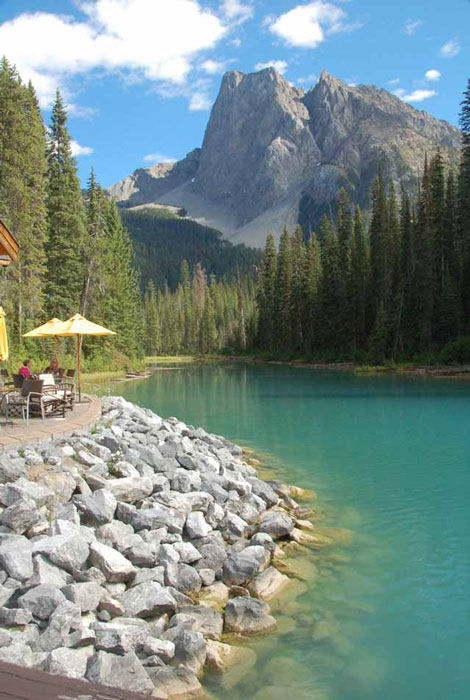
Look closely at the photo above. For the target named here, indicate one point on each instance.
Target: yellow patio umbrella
(48, 329)
(3, 337)
(78, 325)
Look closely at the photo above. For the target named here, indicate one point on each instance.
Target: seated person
(54, 368)
(25, 370)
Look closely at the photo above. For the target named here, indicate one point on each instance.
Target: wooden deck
(18, 435)
(18, 683)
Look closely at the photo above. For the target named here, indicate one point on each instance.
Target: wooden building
(9, 246)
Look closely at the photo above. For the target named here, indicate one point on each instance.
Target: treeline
(396, 290)
(201, 316)
(75, 255)
(162, 240)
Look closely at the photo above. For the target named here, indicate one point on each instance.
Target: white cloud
(199, 102)
(411, 25)
(236, 11)
(450, 49)
(415, 96)
(158, 158)
(310, 79)
(307, 26)
(213, 67)
(280, 66)
(78, 150)
(157, 40)
(432, 75)
(394, 81)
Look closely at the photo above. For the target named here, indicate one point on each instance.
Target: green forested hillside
(162, 240)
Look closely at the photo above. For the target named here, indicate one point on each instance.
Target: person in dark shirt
(54, 368)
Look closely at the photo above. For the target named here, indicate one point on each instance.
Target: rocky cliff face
(273, 154)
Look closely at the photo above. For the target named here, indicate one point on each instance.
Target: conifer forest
(391, 282)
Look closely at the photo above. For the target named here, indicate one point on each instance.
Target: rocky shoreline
(127, 553)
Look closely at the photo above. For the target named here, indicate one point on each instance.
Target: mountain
(273, 154)
(162, 239)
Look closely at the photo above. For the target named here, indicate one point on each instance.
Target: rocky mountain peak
(273, 154)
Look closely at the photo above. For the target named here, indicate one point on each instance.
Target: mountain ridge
(274, 154)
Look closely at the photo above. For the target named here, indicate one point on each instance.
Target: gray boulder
(248, 616)
(70, 552)
(204, 619)
(113, 564)
(147, 599)
(130, 489)
(65, 620)
(117, 639)
(264, 491)
(182, 577)
(118, 671)
(45, 572)
(175, 683)
(156, 517)
(98, 508)
(66, 662)
(241, 567)
(23, 488)
(190, 649)
(12, 469)
(196, 526)
(41, 601)
(276, 524)
(22, 515)
(86, 595)
(15, 617)
(16, 558)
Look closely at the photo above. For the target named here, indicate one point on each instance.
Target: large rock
(175, 683)
(41, 601)
(268, 584)
(241, 567)
(16, 558)
(276, 524)
(156, 517)
(118, 639)
(190, 648)
(86, 595)
(182, 577)
(98, 508)
(70, 552)
(203, 619)
(66, 662)
(148, 599)
(222, 657)
(130, 489)
(119, 672)
(248, 616)
(113, 564)
(22, 515)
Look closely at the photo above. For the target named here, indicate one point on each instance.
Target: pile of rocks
(126, 552)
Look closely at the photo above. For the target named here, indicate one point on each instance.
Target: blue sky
(139, 76)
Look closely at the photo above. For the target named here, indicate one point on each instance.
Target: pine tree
(95, 241)
(152, 322)
(283, 295)
(378, 339)
(22, 198)
(359, 281)
(312, 281)
(66, 220)
(331, 289)
(423, 267)
(380, 248)
(208, 331)
(266, 290)
(463, 222)
(299, 271)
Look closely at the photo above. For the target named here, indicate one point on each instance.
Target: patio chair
(5, 378)
(42, 400)
(63, 387)
(18, 380)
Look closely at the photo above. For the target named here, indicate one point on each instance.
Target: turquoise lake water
(387, 617)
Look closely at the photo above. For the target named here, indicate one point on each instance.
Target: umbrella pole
(78, 369)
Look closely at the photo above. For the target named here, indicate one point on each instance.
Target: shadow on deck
(17, 435)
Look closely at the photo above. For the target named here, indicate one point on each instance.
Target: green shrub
(457, 352)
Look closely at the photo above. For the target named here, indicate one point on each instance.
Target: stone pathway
(82, 417)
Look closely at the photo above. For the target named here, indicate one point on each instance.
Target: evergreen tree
(283, 298)
(359, 281)
(331, 289)
(267, 295)
(207, 332)
(423, 296)
(22, 198)
(298, 254)
(66, 220)
(152, 324)
(380, 249)
(463, 222)
(312, 282)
